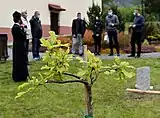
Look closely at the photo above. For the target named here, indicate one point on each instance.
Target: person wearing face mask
(97, 33)
(27, 27)
(112, 22)
(78, 30)
(36, 29)
(20, 70)
(137, 28)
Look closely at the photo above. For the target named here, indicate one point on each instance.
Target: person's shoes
(81, 55)
(95, 54)
(131, 55)
(99, 54)
(36, 59)
(118, 55)
(110, 54)
(39, 57)
(138, 56)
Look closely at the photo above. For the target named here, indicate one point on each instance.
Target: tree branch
(68, 81)
(72, 75)
(97, 75)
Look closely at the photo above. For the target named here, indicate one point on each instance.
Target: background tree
(92, 12)
(152, 8)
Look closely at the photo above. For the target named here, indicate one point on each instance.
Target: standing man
(36, 29)
(111, 23)
(20, 69)
(137, 27)
(78, 30)
(97, 33)
(27, 28)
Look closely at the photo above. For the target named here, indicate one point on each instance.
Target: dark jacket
(20, 70)
(112, 20)
(36, 27)
(98, 28)
(139, 22)
(78, 27)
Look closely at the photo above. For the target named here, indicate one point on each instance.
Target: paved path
(103, 56)
(29, 55)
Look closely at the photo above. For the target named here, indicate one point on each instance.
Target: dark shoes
(131, 55)
(80, 55)
(97, 54)
(138, 56)
(118, 55)
(113, 55)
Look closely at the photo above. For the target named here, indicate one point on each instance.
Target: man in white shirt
(27, 28)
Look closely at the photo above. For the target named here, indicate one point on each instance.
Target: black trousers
(35, 47)
(27, 48)
(113, 36)
(136, 38)
(97, 41)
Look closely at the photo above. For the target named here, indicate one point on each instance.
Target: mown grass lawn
(66, 101)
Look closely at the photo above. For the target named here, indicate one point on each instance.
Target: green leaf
(45, 67)
(128, 74)
(131, 67)
(20, 94)
(112, 71)
(23, 86)
(45, 43)
(124, 64)
(80, 59)
(81, 73)
(117, 60)
(107, 73)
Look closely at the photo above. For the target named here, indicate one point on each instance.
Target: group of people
(23, 31)
(112, 22)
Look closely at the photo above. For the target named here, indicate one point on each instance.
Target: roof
(56, 7)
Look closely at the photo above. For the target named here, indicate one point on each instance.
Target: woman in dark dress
(20, 70)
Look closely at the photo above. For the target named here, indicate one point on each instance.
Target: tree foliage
(127, 13)
(57, 63)
(93, 12)
(152, 6)
(152, 10)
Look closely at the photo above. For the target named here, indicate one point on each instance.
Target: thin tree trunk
(88, 101)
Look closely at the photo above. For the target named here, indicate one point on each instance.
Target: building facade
(56, 15)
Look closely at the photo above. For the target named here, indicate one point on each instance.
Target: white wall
(72, 8)
(7, 7)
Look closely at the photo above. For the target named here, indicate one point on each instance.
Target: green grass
(66, 101)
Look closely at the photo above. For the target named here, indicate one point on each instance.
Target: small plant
(57, 63)
(88, 38)
(65, 39)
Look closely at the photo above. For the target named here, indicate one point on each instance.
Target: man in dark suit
(137, 28)
(78, 30)
(36, 29)
(97, 33)
(112, 22)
